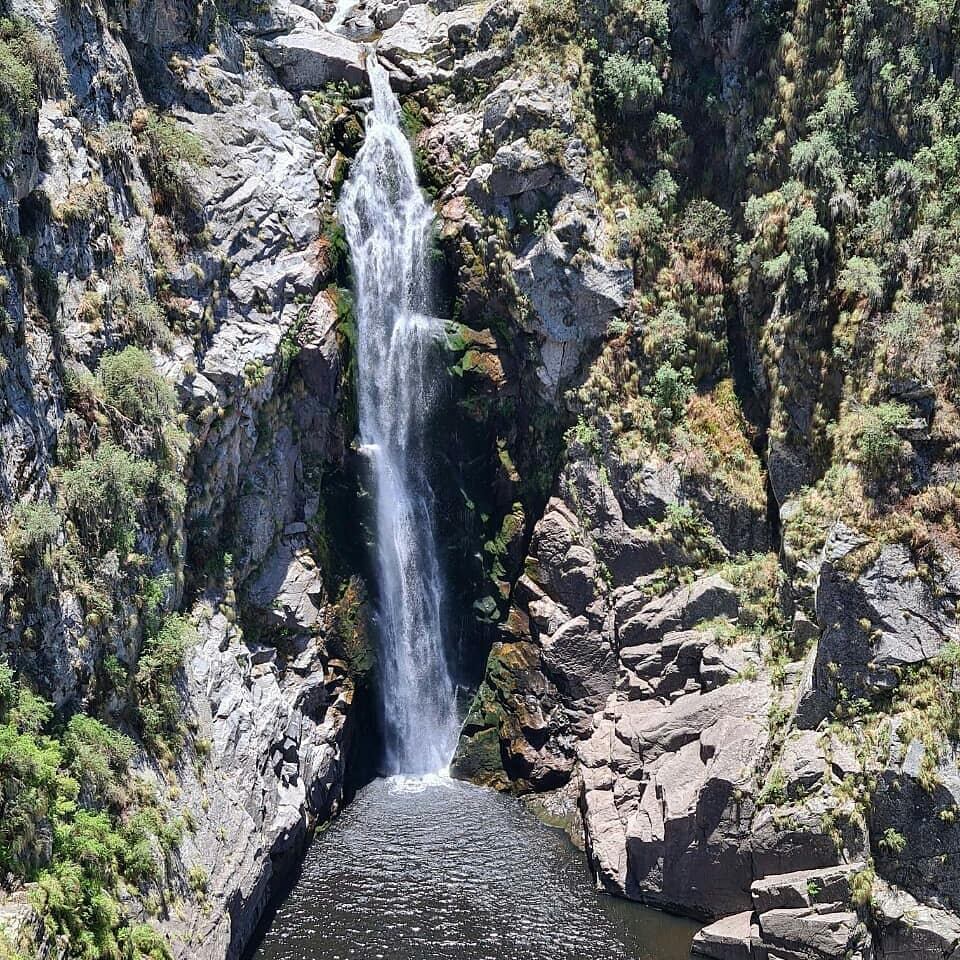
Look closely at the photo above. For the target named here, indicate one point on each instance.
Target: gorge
(560, 393)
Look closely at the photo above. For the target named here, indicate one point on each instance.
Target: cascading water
(388, 225)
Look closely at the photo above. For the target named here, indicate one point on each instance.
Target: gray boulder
(519, 106)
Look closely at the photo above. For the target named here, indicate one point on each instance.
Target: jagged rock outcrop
(278, 725)
(879, 617)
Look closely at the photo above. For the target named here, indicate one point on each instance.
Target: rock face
(279, 731)
(557, 662)
(539, 169)
(220, 275)
(877, 621)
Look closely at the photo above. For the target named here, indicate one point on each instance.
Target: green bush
(892, 841)
(77, 876)
(134, 386)
(32, 528)
(97, 757)
(634, 85)
(166, 642)
(805, 236)
(861, 277)
(878, 442)
(551, 142)
(553, 21)
(817, 160)
(33, 785)
(103, 493)
(172, 154)
(707, 228)
(18, 84)
(654, 14)
(670, 389)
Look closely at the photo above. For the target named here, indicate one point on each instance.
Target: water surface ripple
(434, 869)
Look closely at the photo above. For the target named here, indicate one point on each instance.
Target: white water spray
(388, 225)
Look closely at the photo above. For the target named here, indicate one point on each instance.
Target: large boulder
(914, 830)
(519, 106)
(666, 800)
(573, 302)
(309, 59)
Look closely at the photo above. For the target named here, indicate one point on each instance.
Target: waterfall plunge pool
(436, 869)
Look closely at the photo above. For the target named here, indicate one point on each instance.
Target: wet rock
(319, 356)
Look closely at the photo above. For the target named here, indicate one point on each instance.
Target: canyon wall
(698, 455)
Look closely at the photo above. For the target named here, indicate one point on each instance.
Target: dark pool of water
(435, 869)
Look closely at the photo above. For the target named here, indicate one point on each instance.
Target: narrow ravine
(420, 864)
(389, 228)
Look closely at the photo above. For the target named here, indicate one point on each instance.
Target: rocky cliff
(697, 466)
(172, 408)
(735, 626)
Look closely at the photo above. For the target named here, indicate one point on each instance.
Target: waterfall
(389, 227)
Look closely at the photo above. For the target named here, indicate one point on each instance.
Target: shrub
(140, 940)
(32, 528)
(75, 857)
(18, 84)
(655, 15)
(32, 784)
(165, 644)
(103, 493)
(670, 389)
(892, 841)
(902, 329)
(40, 53)
(551, 20)
(172, 155)
(861, 886)
(878, 442)
(97, 757)
(666, 338)
(774, 790)
(707, 228)
(198, 879)
(84, 201)
(134, 386)
(551, 142)
(805, 236)
(861, 278)
(634, 85)
(817, 160)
